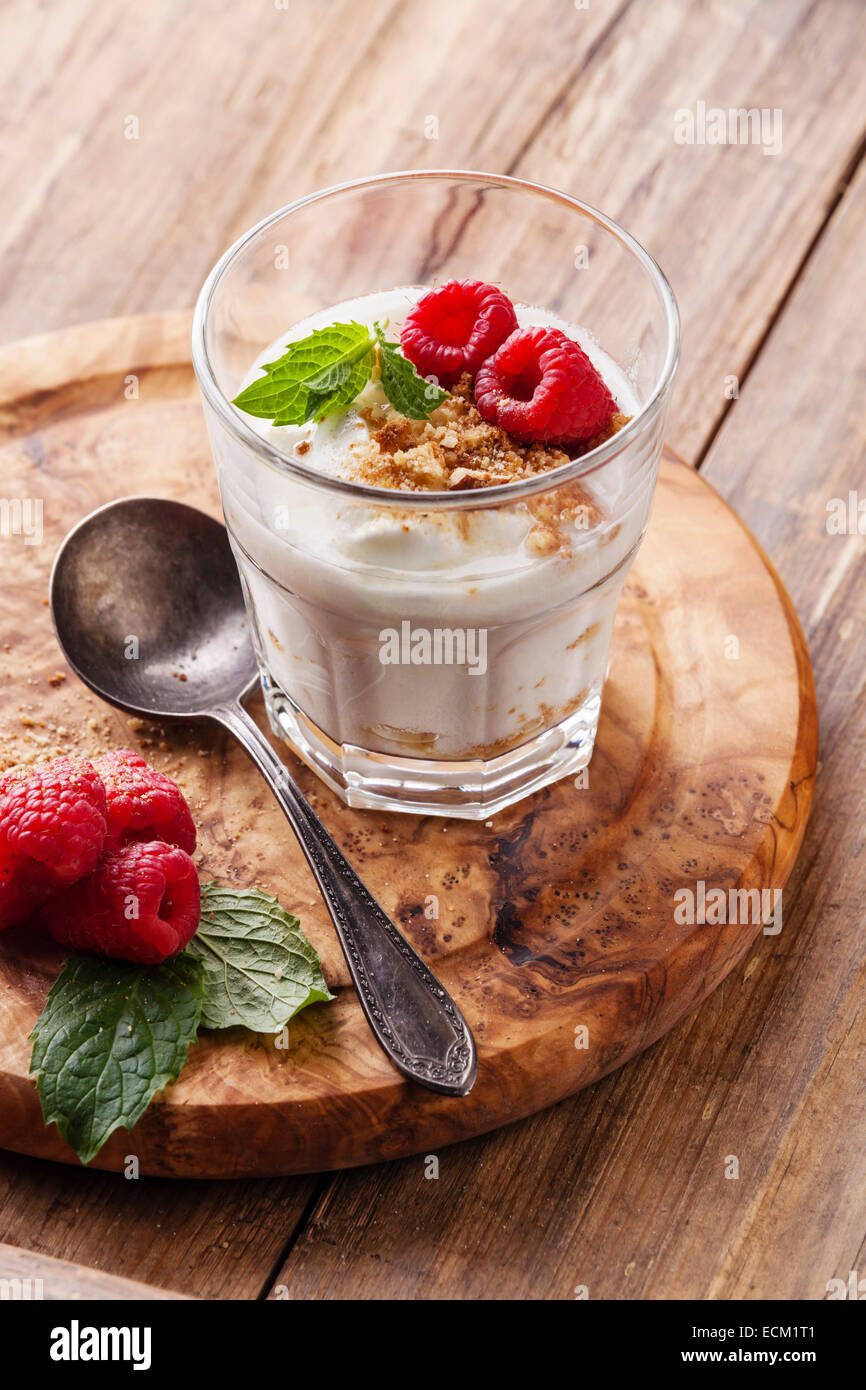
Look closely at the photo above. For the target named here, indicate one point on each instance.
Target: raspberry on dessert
(540, 386)
(143, 804)
(56, 818)
(142, 903)
(452, 330)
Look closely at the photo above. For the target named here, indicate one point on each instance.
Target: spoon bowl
(148, 607)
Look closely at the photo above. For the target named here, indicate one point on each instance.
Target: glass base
(470, 789)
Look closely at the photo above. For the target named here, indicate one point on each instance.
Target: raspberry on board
(23, 886)
(142, 903)
(541, 387)
(452, 330)
(143, 804)
(55, 816)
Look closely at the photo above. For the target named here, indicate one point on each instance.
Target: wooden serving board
(558, 914)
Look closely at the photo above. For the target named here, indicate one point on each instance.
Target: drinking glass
(435, 652)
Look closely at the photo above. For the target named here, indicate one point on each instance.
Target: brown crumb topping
(456, 449)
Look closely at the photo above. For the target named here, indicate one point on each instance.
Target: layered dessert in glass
(434, 484)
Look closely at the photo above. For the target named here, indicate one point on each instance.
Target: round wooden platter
(558, 915)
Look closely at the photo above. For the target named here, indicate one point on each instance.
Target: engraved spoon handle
(414, 1019)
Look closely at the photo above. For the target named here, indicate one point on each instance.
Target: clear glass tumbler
(436, 652)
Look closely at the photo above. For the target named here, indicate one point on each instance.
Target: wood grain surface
(621, 1188)
(556, 915)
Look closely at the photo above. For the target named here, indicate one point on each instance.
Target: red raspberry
(540, 386)
(142, 903)
(142, 803)
(22, 886)
(453, 329)
(55, 816)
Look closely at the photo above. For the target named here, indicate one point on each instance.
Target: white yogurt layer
(327, 575)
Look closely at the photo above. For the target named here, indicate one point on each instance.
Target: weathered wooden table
(136, 145)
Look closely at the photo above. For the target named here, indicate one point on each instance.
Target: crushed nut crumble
(456, 449)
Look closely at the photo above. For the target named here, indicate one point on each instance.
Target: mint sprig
(315, 377)
(112, 1034)
(260, 969)
(322, 374)
(406, 390)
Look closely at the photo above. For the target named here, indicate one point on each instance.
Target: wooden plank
(27, 1276)
(240, 111)
(729, 224)
(623, 1189)
(789, 455)
(589, 106)
(202, 1240)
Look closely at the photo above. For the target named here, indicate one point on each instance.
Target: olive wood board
(553, 925)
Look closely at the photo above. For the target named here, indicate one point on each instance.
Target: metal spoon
(148, 609)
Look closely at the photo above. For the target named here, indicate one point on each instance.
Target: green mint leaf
(315, 377)
(260, 969)
(329, 402)
(110, 1037)
(339, 371)
(406, 390)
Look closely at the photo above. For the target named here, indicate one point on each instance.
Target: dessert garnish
(534, 386)
(322, 374)
(455, 450)
(110, 1037)
(539, 386)
(158, 880)
(98, 855)
(455, 328)
(142, 803)
(52, 828)
(259, 968)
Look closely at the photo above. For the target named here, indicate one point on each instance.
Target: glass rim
(233, 421)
